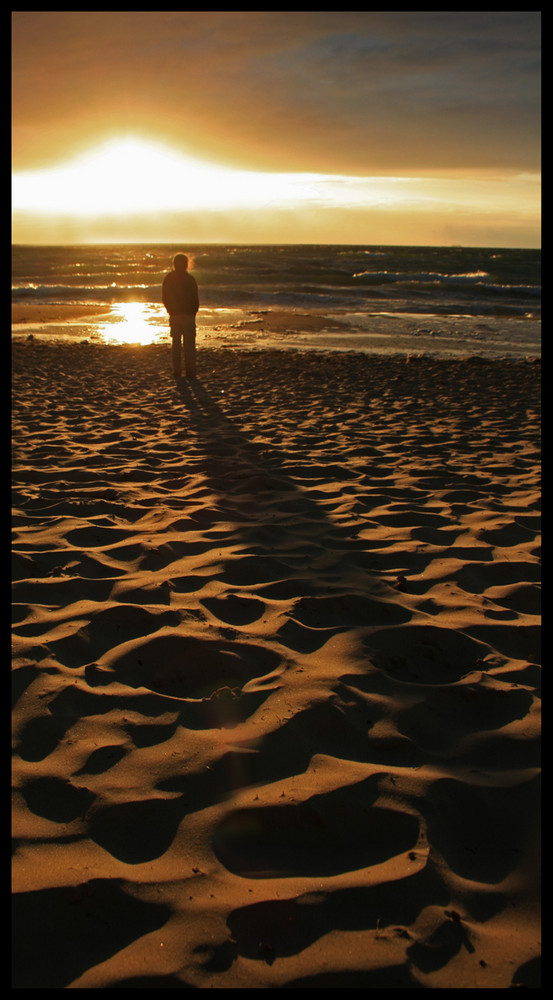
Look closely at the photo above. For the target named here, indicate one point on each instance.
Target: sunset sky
(418, 127)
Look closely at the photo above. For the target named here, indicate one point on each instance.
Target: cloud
(358, 92)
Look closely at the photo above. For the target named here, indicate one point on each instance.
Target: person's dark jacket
(180, 294)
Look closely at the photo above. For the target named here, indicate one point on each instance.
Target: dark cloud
(359, 92)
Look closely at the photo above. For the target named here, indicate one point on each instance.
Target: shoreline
(270, 329)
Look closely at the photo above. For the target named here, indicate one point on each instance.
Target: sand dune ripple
(276, 665)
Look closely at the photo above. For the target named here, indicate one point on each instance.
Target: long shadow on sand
(279, 546)
(291, 547)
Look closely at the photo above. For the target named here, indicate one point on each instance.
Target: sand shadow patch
(40, 736)
(58, 934)
(234, 609)
(188, 667)
(250, 571)
(107, 628)
(286, 751)
(479, 577)
(386, 977)
(524, 599)
(215, 683)
(304, 640)
(189, 584)
(289, 926)
(135, 832)
(326, 835)
(56, 799)
(507, 536)
(529, 975)
(63, 590)
(449, 714)
(151, 983)
(440, 947)
(516, 642)
(102, 759)
(480, 831)
(22, 678)
(347, 611)
(94, 536)
(424, 654)
(314, 620)
(224, 709)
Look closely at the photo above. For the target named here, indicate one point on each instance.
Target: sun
(119, 177)
(131, 176)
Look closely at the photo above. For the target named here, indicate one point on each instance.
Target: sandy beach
(276, 670)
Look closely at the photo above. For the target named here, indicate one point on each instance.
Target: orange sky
(355, 127)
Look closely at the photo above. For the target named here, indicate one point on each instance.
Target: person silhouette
(180, 297)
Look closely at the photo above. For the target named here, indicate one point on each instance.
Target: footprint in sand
(483, 832)
(213, 683)
(424, 654)
(331, 833)
(313, 620)
(346, 611)
(447, 715)
(235, 610)
(186, 667)
(106, 629)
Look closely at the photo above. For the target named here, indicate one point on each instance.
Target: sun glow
(132, 176)
(134, 189)
(135, 176)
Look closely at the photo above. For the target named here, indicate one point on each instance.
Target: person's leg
(190, 348)
(176, 352)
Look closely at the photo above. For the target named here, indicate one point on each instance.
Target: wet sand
(284, 329)
(39, 313)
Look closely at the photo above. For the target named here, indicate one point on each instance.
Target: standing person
(180, 298)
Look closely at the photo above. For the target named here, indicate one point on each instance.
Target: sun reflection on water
(131, 323)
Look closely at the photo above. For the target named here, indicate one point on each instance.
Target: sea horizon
(287, 243)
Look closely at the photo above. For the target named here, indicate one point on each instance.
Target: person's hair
(180, 262)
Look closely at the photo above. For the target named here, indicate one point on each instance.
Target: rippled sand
(275, 671)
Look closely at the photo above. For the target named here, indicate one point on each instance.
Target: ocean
(443, 299)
